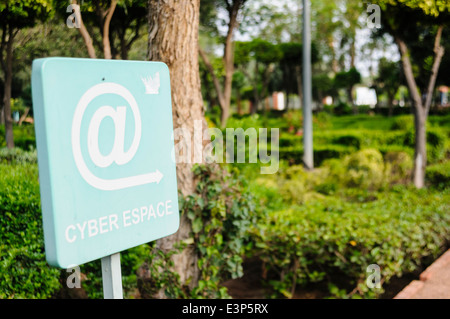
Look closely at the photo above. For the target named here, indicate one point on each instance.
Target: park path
(434, 282)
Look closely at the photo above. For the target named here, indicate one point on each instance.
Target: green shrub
(349, 140)
(398, 165)
(438, 175)
(436, 145)
(24, 272)
(296, 185)
(221, 213)
(342, 109)
(17, 156)
(335, 240)
(130, 261)
(321, 153)
(363, 169)
(403, 122)
(24, 137)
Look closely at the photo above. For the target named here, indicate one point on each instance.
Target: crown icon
(151, 84)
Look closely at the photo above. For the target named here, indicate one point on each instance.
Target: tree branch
(136, 35)
(106, 24)
(216, 82)
(2, 47)
(438, 54)
(408, 70)
(84, 32)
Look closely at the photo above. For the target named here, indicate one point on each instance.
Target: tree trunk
(224, 95)
(350, 100)
(419, 117)
(85, 34)
(390, 104)
(7, 89)
(173, 39)
(420, 107)
(106, 40)
(228, 58)
(238, 102)
(420, 154)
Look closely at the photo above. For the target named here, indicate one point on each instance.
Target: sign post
(107, 172)
(112, 277)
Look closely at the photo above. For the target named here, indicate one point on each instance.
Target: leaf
(197, 225)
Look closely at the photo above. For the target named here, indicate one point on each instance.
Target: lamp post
(308, 159)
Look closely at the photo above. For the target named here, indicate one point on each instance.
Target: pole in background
(308, 159)
(112, 277)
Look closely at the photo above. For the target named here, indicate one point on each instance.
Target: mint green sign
(105, 151)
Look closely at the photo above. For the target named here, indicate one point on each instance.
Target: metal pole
(112, 277)
(307, 89)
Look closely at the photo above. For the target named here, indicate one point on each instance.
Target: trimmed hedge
(321, 153)
(24, 272)
(333, 144)
(438, 175)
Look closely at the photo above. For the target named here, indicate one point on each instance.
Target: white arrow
(157, 176)
(124, 182)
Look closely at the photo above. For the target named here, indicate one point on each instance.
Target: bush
(321, 153)
(438, 175)
(295, 185)
(364, 169)
(398, 165)
(436, 145)
(349, 140)
(403, 122)
(24, 272)
(221, 213)
(342, 109)
(17, 156)
(334, 241)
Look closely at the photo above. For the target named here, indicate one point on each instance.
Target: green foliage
(130, 261)
(24, 13)
(24, 272)
(364, 169)
(347, 79)
(17, 156)
(432, 8)
(334, 240)
(221, 214)
(438, 175)
(398, 166)
(403, 122)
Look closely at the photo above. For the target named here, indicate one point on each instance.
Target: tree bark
(420, 107)
(85, 34)
(106, 25)
(224, 93)
(7, 68)
(173, 39)
(228, 58)
(390, 104)
(419, 117)
(438, 54)
(216, 82)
